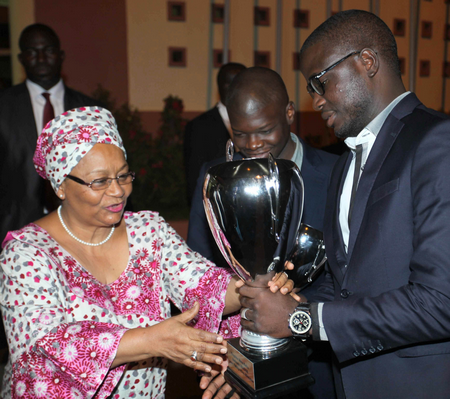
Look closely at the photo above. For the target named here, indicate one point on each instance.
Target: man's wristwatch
(300, 321)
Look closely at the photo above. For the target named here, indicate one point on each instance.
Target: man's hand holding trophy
(254, 209)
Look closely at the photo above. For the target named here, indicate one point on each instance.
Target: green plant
(156, 158)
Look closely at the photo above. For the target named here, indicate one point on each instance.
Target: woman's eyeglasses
(103, 184)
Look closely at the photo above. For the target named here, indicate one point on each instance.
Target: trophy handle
(297, 172)
(318, 263)
(305, 267)
(229, 150)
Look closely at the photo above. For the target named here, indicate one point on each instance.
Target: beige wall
(150, 34)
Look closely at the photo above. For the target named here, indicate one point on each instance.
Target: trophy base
(258, 376)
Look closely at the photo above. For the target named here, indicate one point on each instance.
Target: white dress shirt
(38, 101)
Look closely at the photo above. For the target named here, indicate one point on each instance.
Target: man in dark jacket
(24, 111)
(206, 136)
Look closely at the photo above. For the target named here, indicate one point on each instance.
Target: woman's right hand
(174, 340)
(179, 341)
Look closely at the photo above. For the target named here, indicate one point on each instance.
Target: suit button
(345, 293)
(380, 347)
(372, 349)
(356, 353)
(363, 352)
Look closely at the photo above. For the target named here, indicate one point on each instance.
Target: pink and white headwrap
(66, 139)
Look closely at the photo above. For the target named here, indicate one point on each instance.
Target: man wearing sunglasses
(385, 304)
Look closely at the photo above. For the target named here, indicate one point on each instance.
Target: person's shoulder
(205, 117)
(29, 235)
(422, 120)
(12, 92)
(318, 157)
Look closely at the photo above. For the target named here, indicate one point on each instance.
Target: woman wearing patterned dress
(86, 290)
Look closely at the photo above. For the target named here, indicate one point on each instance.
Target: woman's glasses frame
(103, 184)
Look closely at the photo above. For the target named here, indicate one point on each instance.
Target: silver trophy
(254, 209)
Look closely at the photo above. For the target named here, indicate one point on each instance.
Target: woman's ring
(194, 356)
(243, 313)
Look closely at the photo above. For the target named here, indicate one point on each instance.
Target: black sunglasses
(315, 85)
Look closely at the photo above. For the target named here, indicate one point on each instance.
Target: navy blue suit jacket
(21, 188)
(389, 319)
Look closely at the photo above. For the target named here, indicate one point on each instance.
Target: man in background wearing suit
(385, 304)
(24, 111)
(261, 115)
(206, 136)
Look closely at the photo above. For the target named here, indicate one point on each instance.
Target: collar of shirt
(38, 101)
(57, 91)
(224, 114)
(298, 153)
(374, 126)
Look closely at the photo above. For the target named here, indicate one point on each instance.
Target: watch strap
(315, 321)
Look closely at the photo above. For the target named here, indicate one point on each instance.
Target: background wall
(124, 46)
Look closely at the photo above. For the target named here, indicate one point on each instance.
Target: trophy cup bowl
(254, 209)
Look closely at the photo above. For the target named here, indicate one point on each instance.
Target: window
(424, 68)
(262, 59)
(177, 56)
(218, 13)
(301, 18)
(427, 29)
(218, 58)
(402, 65)
(446, 70)
(447, 32)
(262, 16)
(176, 11)
(399, 27)
(296, 61)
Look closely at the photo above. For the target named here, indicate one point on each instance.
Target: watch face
(300, 322)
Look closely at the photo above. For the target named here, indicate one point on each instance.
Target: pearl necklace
(76, 238)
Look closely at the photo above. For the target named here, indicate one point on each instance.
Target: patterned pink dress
(64, 326)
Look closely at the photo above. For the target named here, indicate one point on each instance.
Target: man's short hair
(354, 30)
(30, 29)
(264, 84)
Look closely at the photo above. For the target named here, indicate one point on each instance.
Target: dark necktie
(49, 112)
(358, 160)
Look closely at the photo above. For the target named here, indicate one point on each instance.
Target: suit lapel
(332, 229)
(383, 144)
